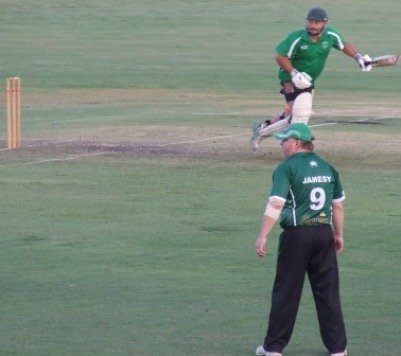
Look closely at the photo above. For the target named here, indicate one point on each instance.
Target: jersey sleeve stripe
(291, 50)
(338, 38)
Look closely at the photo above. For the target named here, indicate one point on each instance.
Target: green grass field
(129, 216)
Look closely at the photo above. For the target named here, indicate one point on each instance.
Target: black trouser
(306, 249)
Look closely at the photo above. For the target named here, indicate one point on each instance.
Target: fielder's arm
(338, 225)
(271, 215)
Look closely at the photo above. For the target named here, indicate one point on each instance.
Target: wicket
(13, 107)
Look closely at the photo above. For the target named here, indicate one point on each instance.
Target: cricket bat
(386, 60)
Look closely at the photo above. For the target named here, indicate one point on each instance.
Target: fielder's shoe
(345, 353)
(256, 138)
(260, 351)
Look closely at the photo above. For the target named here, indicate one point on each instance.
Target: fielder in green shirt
(306, 197)
(302, 57)
(316, 184)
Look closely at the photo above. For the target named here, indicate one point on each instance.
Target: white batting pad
(302, 108)
(274, 128)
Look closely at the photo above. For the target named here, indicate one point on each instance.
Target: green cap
(317, 14)
(299, 131)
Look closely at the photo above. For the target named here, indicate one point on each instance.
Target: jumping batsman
(306, 196)
(302, 57)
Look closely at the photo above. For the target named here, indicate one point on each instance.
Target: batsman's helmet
(317, 14)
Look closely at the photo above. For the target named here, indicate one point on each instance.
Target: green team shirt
(306, 55)
(309, 185)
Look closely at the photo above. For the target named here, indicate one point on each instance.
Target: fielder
(306, 198)
(302, 57)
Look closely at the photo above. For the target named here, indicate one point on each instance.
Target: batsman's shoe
(256, 138)
(260, 351)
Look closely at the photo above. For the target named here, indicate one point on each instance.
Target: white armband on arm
(272, 212)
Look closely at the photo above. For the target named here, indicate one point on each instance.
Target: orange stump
(13, 107)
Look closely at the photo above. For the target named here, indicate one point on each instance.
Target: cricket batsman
(302, 57)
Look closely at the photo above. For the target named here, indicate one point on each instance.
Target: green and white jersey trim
(340, 42)
(291, 51)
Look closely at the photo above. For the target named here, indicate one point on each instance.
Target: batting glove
(363, 62)
(301, 80)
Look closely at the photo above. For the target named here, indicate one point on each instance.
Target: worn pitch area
(217, 126)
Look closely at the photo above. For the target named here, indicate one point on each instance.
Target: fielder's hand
(260, 246)
(301, 80)
(363, 62)
(339, 243)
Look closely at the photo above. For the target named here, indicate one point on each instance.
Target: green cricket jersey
(306, 55)
(308, 184)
